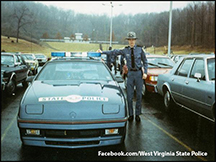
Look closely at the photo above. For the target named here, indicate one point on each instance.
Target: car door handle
(186, 82)
(172, 79)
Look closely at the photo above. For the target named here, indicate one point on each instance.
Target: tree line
(193, 25)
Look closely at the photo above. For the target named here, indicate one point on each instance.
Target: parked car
(190, 84)
(31, 60)
(73, 103)
(13, 71)
(42, 59)
(157, 64)
(176, 58)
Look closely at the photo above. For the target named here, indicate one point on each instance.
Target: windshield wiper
(154, 64)
(164, 64)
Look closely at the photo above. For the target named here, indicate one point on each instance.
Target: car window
(17, 59)
(28, 57)
(40, 56)
(160, 62)
(211, 68)
(184, 67)
(74, 71)
(21, 60)
(198, 67)
(7, 59)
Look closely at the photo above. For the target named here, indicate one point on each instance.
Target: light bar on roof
(93, 54)
(58, 54)
(75, 54)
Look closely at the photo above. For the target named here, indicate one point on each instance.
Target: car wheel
(25, 83)
(35, 71)
(168, 102)
(11, 87)
(144, 90)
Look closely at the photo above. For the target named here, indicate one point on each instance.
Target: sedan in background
(13, 71)
(176, 58)
(191, 85)
(42, 59)
(157, 64)
(31, 60)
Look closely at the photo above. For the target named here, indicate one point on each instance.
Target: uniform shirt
(139, 55)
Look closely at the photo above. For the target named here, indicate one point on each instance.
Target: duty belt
(134, 69)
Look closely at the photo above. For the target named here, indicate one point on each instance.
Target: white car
(42, 59)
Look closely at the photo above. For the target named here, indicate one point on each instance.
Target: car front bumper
(69, 136)
(151, 88)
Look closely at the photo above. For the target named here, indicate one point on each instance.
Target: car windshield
(28, 57)
(67, 71)
(211, 68)
(40, 56)
(160, 62)
(7, 59)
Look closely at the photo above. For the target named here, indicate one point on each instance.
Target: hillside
(48, 47)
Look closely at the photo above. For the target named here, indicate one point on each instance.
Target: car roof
(62, 59)
(201, 56)
(39, 54)
(27, 53)
(10, 53)
(155, 55)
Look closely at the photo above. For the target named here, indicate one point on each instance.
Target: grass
(47, 47)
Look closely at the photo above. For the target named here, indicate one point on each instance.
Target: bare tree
(23, 17)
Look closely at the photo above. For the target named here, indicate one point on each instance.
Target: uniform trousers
(134, 78)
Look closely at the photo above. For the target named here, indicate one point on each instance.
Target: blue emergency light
(75, 54)
(58, 54)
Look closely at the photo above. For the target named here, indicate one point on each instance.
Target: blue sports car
(73, 102)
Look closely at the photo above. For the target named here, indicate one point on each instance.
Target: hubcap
(167, 99)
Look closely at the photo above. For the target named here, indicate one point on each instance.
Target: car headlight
(153, 78)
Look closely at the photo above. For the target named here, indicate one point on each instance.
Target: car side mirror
(17, 64)
(119, 79)
(197, 76)
(30, 78)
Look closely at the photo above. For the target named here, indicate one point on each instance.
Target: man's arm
(145, 64)
(112, 52)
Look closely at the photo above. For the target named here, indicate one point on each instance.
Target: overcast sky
(125, 7)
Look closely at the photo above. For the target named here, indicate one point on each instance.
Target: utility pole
(170, 29)
(111, 15)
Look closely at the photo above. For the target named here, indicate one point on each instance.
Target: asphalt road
(181, 136)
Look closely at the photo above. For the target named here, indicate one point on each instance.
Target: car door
(21, 69)
(195, 90)
(178, 78)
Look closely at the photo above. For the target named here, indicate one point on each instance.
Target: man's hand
(99, 51)
(144, 76)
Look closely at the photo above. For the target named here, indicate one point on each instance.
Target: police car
(73, 102)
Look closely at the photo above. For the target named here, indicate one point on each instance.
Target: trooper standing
(137, 71)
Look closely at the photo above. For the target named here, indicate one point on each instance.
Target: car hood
(30, 61)
(77, 101)
(157, 71)
(7, 68)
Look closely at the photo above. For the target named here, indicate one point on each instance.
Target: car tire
(35, 71)
(11, 87)
(25, 83)
(168, 101)
(144, 90)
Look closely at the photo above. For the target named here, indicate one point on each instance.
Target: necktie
(132, 58)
